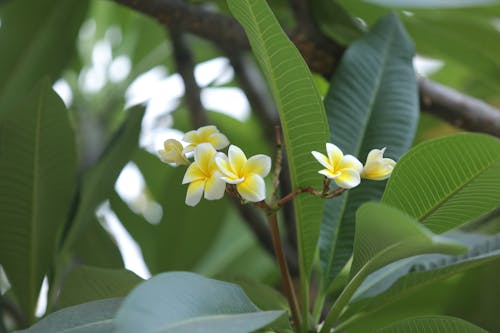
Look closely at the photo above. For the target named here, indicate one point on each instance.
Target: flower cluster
(211, 170)
(346, 170)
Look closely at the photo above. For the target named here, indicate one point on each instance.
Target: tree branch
(459, 110)
(321, 54)
(185, 67)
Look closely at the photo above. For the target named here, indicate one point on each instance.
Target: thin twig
(277, 166)
(285, 274)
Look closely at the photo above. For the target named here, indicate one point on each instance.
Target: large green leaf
(383, 279)
(86, 283)
(92, 317)
(384, 235)
(301, 111)
(38, 166)
(418, 280)
(447, 182)
(184, 302)
(104, 251)
(35, 43)
(372, 103)
(99, 181)
(432, 324)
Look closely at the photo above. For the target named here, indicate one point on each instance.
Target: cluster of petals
(210, 171)
(203, 177)
(206, 134)
(247, 174)
(346, 170)
(173, 153)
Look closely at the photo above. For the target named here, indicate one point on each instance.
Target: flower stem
(285, 273)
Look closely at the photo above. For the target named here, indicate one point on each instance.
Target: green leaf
(385, 234)
(301, 112)
(99, 181)
(336, 22)
(381, 280)
(35, 43)
(447, 182)
(38, 166)
(415, 281)
(104, 251)
(432, 324)
(185, 302)
(86, 283)
(92, 317)
(372, 103)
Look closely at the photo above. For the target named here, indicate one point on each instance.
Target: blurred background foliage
(103, 58)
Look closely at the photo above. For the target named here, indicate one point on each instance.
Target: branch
(321, 54)
(185, 67)
(459, 110)
(255, 88)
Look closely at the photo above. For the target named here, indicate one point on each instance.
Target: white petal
(350, 162)
(215, 187)
(206, 131)
(218, 140)
(322, 159)
(233, 181)
(348, 178)
(193, 173)
(329, 174)
(194, 192)
(334, 154)
(237, 159)
(222, 163)
(378, 170)
(204, 155)
(252, 189)
(374, 155)
(258, 164)
(190, 137)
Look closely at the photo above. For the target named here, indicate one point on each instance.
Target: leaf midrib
(458, 189)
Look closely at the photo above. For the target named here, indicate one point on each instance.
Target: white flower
(344, 170)
(247, 175)
(203, 176)
(377, 167)
(173, 153)
(205, 134)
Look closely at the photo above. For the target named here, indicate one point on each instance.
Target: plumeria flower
(205, 134)
(343, 169)
(203, 176)
(377, 167)
(173, 153)
(247, 175)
